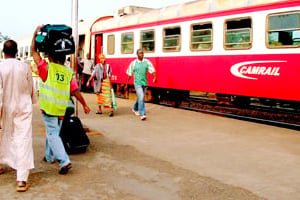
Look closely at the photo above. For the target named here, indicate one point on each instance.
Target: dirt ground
(119, 172)
(109, 171)
(112, 169)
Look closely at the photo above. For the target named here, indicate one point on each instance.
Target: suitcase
(73, 134)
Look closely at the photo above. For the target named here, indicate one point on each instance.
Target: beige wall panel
(150, 16)
(194, 8)
(169, 12)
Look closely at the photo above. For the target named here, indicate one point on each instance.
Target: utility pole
(76, 38)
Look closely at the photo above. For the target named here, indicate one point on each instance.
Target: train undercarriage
(281, 113)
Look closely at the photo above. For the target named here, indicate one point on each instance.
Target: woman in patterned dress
(103, 86)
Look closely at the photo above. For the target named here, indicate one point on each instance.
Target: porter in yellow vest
(54, 93)
(56, 85)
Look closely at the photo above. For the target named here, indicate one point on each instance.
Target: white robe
(16, 93)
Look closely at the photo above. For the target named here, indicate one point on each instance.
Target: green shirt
(139, 69)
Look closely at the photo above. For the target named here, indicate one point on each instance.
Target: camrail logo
(253, 68)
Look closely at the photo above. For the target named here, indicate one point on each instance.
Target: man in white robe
(16, 93)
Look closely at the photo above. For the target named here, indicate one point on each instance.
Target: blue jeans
(140, 104)
(55, 149)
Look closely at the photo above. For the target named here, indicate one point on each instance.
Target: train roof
(132, 15)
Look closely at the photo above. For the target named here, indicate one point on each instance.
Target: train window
(147, 41)
(238, 34)
(127, 43)
(111, 44)
(201, 37)
(283, 30)
(171, 41)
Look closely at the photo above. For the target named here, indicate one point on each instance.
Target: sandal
(98, 113)
(22, 186)
(1, 170)
(65, 169)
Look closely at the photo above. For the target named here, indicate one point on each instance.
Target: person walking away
(57, 83)
(79, 70)
(88, 66)
(139, 68)
(103, 86)
(16, 98)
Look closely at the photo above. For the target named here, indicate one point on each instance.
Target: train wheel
(241, 101)
(223, 98)
(267, 102)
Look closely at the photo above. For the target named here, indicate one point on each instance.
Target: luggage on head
(55, 39)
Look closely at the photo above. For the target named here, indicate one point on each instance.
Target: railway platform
(191, 151)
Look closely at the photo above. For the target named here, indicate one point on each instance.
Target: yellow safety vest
(54, 93)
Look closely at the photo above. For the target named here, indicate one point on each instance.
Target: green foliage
(3, 37)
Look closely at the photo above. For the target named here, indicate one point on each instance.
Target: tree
(3, 37)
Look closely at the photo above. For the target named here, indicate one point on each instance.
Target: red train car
(241, 49)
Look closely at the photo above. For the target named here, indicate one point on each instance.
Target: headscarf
(101, 58)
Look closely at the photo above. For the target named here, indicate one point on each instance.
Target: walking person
(16, 98)
(101, 76)
(57, 83)
(79, 70)
(139, 68)
(88, 66)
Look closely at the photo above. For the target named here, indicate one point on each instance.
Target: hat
(101, 58)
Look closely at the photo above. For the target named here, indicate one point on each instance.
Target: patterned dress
(102, 86)
(104, 98)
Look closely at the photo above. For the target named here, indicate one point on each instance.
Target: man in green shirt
(139, 68)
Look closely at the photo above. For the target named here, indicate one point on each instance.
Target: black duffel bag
(72, 133)
(55, 39)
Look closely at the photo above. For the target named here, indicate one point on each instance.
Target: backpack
(55, 39)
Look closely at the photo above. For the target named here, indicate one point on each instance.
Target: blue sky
(21, 17)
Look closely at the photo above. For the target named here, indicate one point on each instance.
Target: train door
(98, 47)
(81, 46)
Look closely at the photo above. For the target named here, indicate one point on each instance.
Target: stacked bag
(55, 39)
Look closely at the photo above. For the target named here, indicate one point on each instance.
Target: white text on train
(248, 68)
(273, 71)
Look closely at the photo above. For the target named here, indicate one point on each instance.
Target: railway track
(274, 115)
(280, 117)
